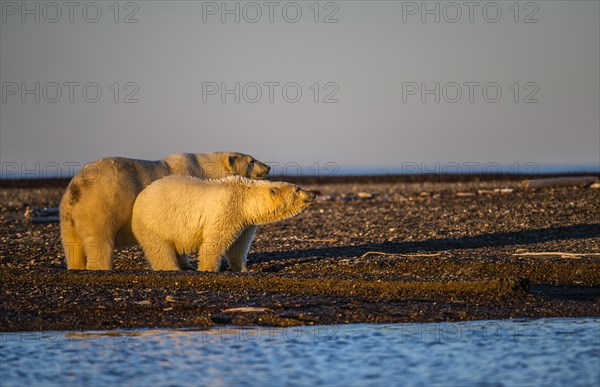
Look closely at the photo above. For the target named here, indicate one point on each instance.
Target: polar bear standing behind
(182, 215)
(95, 211)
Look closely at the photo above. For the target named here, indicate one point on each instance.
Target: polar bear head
(268, 201)
(215, 165)
(240, 164)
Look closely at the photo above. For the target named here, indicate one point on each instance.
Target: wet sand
(370, 249)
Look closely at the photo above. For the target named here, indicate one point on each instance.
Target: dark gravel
(368, 250)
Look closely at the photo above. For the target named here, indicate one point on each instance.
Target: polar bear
(183, 215)
(95, 211)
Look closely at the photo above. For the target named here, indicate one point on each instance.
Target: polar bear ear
(274, 191)
(232, 160)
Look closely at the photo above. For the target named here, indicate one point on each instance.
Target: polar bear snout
(309, 196)
(260, 170)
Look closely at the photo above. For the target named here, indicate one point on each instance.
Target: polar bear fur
(95, 211)
(183, 215)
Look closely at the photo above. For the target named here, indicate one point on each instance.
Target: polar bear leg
(73, 246)
(99, 252)
(209, 261)
(238, 252)
(183, 260)
(212, 250)
(161, 254)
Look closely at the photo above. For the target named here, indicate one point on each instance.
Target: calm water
(545, 352)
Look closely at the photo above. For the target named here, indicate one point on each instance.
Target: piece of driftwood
(365, 195)
(246, 309)
(399, 255)
(465, 194)
(310, 240)
(495, 191)
(557, 253)
(568, 181)
(42, 215)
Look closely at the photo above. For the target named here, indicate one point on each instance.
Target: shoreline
(345, 178)
(369, 250)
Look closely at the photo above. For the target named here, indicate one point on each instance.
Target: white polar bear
(183, 215)
(95, 211)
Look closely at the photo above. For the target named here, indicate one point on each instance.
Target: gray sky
(366, 68)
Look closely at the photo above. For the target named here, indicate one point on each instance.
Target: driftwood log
(560, 182)
(42, 215)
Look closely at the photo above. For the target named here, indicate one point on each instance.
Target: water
(528, 352)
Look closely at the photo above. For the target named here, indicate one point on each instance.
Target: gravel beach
(369, 249)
